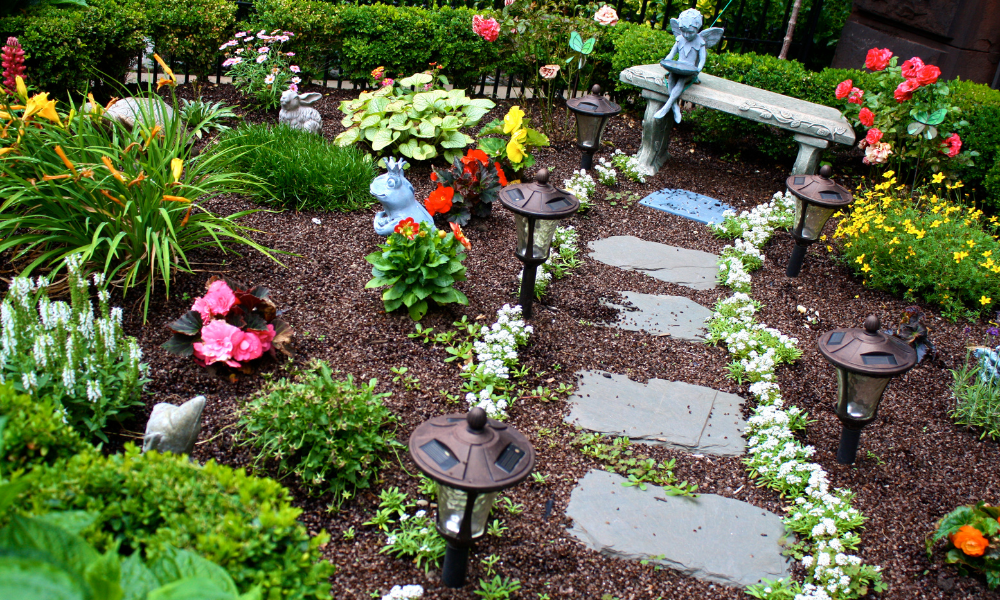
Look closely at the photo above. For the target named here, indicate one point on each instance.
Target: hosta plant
(513, 150)
(973, 534)
(474, 181)
(231, 324)
(419, 265)
(417, 124)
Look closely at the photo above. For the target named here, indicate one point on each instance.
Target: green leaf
(382, 139)
(23, 577)
(370, 121)
(175, 564)
(454, 139)
(376, 107)
(473, 114)
(416, 79)
(399, 122)
(426, 130)
(425, 152)
(915, 128)
(137, 579)
(66, 549)
(494, 127)
(575, 42)
(588, 46)
(347, 137)
(71, 521)
(450, 122)
(418, 310)
(391, 305)
(394, 292)
(189, 324)
(104, 576)
(535, 138)
(192, 588)
(492, 146)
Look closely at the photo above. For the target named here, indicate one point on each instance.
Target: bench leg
(810, 150)
(655, 135)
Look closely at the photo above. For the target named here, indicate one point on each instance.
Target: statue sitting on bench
(690, 51)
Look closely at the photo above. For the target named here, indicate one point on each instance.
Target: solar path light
(817, 197)
(592, 113)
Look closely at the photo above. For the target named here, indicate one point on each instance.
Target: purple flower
(993, 331)
(293, 87)
(288, 33)
(294, 69)
(289, 54)
(263, 50)
(966, 330)
(240, 34)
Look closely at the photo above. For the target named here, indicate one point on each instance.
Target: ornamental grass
(932, 246)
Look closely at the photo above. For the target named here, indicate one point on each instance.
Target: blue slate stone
(687, 204)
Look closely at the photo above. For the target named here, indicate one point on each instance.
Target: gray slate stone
(691, 268)
(709, 537)
(128, 110)
(689, 205)
(676, 316)
(668, 413)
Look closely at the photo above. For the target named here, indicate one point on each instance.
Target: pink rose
(549, 71)
(927, 75)
(877, 154)
(216, 343)
(866, 117)
(606, 16)
(874, 136)
(488, 29)
(247, 347)
(843, 89)
(508, 2)
(855, 96)
(910, 67)
(878, 60)
(905, 90)
(265, 337)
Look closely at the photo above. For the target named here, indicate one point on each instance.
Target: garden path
(710, 537)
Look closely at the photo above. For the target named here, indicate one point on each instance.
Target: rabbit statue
(174, 428)
(296, 112)
(396, 195)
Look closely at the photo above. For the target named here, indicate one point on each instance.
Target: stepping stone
(691, 268)
(668, 413)
(709, 537)
(690, 205)
(676, 316)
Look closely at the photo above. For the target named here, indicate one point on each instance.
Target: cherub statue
(396, 195)
(690, 51)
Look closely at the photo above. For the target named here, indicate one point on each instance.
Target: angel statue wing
(712, 36)
(675, 28)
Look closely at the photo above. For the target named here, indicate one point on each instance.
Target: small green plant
(489, 563)
(509, 506)
(36, 431)
(496, 528)
(410, 536)
(628, 165)
(422, 333)
(348, 534)
(875, 457)
(84, 363)
(409, 382)
(498, 588)
(419, 266)
(328, 432)
(202, 117)
(302, 170)
(427, 487)
(606, 173)
(640, 469)
(418, 125)
(583, 186)
(539, 478)
(977, 401)
(626, 198)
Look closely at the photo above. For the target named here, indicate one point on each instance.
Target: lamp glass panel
(589, 129)
(451, 510)
(858, 395)
(544, 230)
(810, 219)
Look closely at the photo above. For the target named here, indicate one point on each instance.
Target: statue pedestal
(814, 125)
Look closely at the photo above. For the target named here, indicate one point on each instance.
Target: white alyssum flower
(404, 592)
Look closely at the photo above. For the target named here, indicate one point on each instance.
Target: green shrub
(150, 502)
(930, 249)
(977, 402)
(303, 170)
(415, 123)
(626, 45)
(85, 363)
(981, 107)
(191, 31)
(37, 431)
(419, 266)
(68, 48)
(329, 432)
(44, 554)
(127, 200)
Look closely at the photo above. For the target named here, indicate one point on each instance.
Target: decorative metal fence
(751, 26)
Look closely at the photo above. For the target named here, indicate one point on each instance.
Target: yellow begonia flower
(176, 168)
(515, 150)
(22, 90)
(512, 122)
(40, 105)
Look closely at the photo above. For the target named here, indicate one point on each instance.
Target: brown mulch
(914, 466)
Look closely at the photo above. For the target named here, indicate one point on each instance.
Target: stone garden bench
(814, 125)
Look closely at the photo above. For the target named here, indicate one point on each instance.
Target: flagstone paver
(690, 205)
(709, 537)
(676, 316)
(691, 268)
(669, 413)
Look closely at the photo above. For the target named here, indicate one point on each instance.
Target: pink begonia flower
(294, 69)
(606, 16)
(488, 29)
(855, 96)
(247, 347)
(216, 343)
(216, 302)
(877, 154)
(265, 337)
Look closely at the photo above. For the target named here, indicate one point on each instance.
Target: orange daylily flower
(66, 161)
(153, 133)
(175, 199)
(186, 215)
(55, 177)
(40, 105)
(172, 81)
(138, 178)
(112, 198)
(5, 151)
(115, 172)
